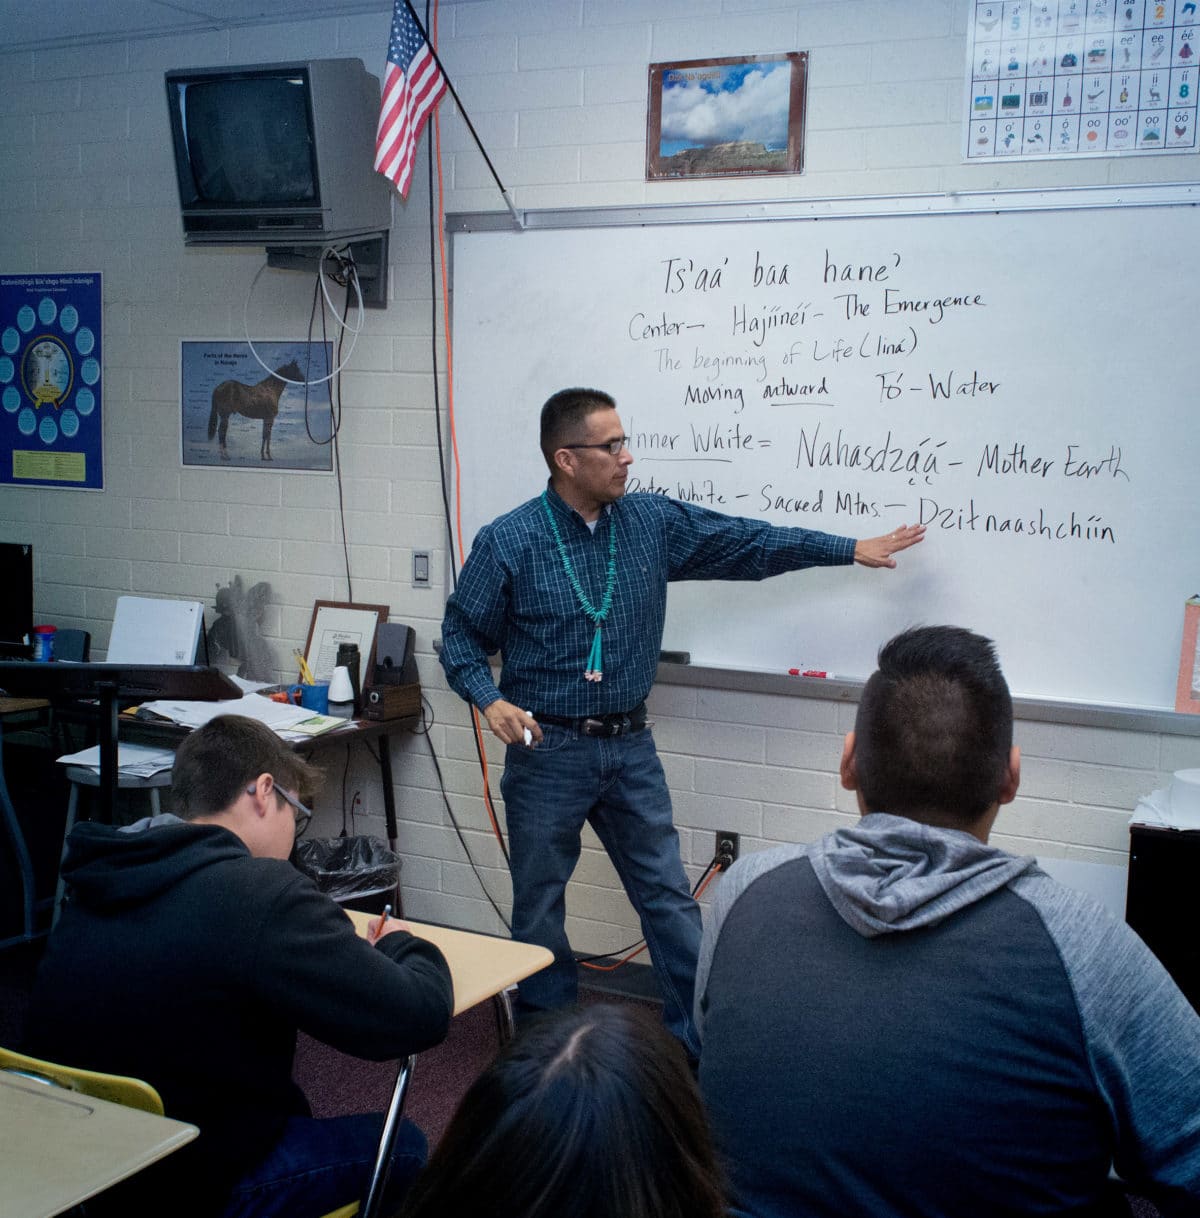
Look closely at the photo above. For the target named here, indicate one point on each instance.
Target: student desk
(481, 967)
(61, 1147)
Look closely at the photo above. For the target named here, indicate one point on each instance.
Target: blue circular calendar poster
(51, 380)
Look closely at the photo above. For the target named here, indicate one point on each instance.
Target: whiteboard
(1023, 381)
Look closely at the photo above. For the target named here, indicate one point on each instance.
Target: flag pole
(518, 217)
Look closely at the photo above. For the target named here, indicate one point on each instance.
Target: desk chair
(83, 776)
(72, 645)
(506, 1027)
(115, 1088)
(387, 1141)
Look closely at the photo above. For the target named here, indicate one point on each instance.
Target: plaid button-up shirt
(514, 596)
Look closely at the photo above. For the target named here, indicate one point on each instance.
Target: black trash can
(359, 872)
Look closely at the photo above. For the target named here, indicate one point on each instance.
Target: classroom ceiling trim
(50, 24)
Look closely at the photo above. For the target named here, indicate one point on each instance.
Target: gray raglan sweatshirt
(901, 1020)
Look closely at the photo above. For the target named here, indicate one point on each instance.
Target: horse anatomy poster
(240, 413)
(51, 362)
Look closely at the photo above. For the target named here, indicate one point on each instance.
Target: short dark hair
(591, 1112)
(564, 412)
(219, 760)
(934, 727)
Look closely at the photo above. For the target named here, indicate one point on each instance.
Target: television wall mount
(369, 253)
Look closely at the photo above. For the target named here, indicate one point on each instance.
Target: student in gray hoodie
(900, 1019)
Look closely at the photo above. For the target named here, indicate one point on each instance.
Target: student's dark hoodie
(183, 960)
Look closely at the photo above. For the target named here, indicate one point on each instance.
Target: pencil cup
(315, 697)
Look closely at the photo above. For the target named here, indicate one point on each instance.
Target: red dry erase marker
(807, 672)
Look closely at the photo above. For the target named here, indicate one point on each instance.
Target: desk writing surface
(481, 966)
(61, 1147)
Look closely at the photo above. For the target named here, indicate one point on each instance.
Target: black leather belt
(601, 725)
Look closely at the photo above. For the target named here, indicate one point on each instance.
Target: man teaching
(571, 589)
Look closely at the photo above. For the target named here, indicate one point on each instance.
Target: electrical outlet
(726, 846)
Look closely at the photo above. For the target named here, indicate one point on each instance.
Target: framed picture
(337, 622)
(724, 118)
(239, 413)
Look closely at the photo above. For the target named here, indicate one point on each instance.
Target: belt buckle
(608, 728)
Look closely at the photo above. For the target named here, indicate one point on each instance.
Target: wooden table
(61, 1147)
(481, 967)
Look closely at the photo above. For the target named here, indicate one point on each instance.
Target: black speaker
(395, 661)
(1160, 904)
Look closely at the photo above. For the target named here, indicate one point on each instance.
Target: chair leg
(387, 1141)
(60, 887)
(506, 1025)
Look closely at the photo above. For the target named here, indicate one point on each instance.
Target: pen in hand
(383, 917)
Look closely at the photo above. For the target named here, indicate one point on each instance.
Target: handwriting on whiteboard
(762, 353)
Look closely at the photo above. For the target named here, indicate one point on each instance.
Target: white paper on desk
(1176, 806)
(275, 715)
(249, 687)
(139, 760)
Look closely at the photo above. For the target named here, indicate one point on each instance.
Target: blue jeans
(321, 1164)
(617, 786)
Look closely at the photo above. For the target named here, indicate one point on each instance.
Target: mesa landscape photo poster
(726, 117)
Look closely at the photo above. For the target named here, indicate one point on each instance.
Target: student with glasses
(571, 589)
(189, 954)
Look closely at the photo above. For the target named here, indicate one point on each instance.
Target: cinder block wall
(557, 90)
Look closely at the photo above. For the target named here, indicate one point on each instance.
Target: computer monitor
(16, 605)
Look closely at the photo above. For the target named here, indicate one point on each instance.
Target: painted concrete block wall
(557, 90)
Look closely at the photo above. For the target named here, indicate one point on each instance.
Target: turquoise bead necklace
(595, 668)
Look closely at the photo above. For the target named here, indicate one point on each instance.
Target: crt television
(277, 152)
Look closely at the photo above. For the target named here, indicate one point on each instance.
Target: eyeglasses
(302, 814)
(612, 447)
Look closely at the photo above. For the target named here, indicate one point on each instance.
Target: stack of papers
(138, 760)
(290, 722)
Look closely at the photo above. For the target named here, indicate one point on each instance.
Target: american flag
(412, 87)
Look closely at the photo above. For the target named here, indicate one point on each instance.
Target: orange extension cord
(477, 726)
(637, 950)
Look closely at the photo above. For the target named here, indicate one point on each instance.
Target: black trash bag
(349, 868)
